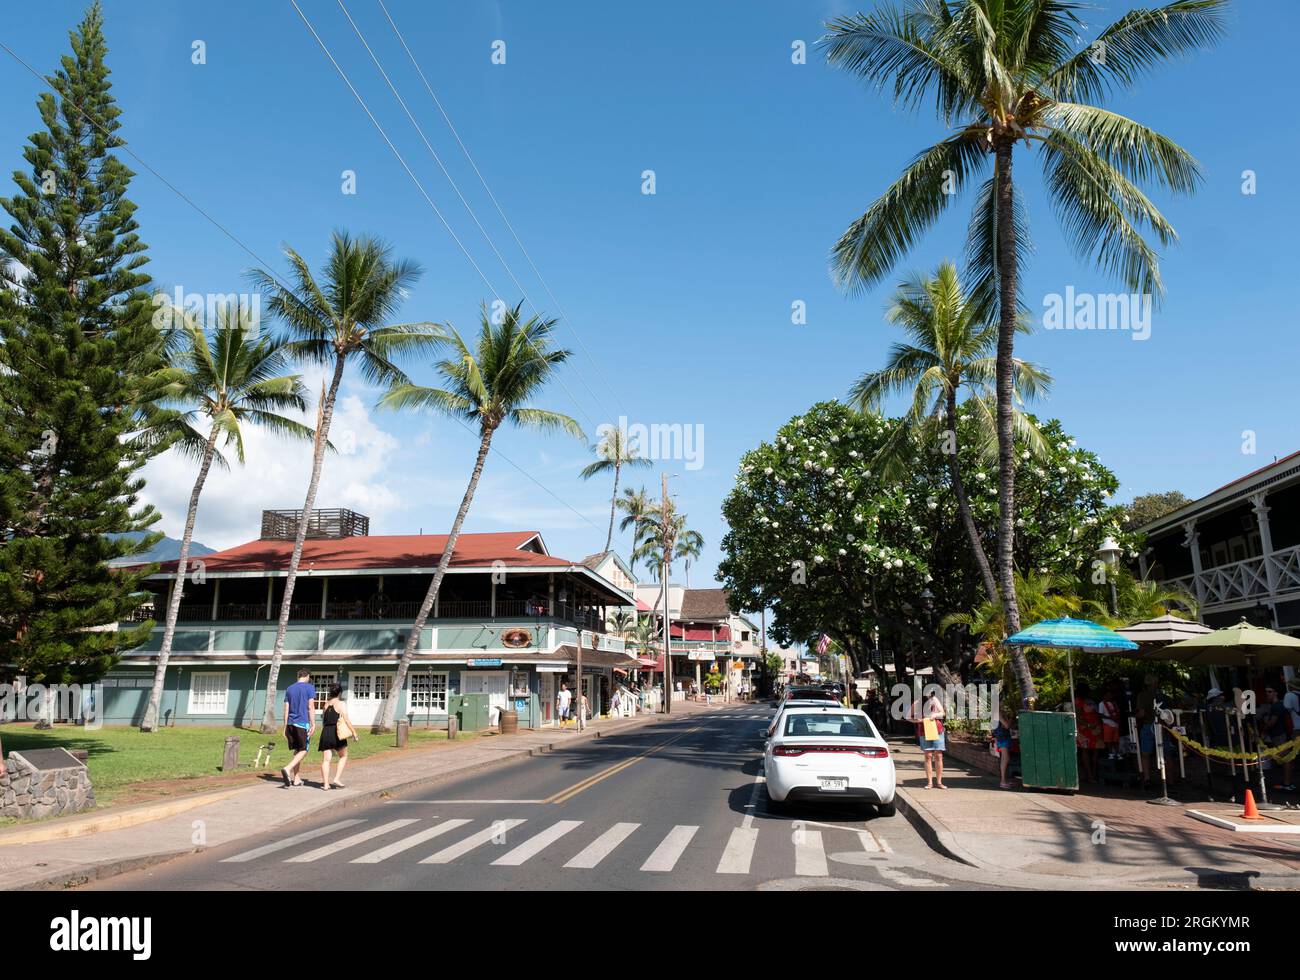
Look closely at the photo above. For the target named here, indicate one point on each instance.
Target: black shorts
(297, 738)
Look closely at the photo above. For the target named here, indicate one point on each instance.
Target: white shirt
(563, 699)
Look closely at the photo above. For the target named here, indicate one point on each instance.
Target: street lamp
(1109, 552)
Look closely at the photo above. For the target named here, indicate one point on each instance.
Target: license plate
(834, 785)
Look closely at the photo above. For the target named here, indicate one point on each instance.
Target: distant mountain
(168, 549)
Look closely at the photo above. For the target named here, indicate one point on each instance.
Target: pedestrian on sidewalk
(299, 719)
(928, 714)
(562, 701)
(336, 729)
(1108, 707)
(1090, 733)
(1002, 744)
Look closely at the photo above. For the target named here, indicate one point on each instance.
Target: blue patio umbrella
(1071, 634)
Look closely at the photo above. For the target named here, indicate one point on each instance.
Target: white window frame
(322, 690)
(414, 702)
(194, 708)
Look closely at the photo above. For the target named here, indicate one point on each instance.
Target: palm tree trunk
(613, 504)
(1008, 311)
(318, 458)
(385, 722)
(963, 506)
(150, 722)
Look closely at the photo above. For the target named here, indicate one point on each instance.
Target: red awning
(642, 607)
(651, 663)
(701, 633)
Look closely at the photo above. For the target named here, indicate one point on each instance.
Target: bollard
(230, 759)
(403, 733)
(451, 727)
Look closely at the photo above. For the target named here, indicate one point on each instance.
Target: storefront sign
(484, 662)
(516, 638)
(551, 668)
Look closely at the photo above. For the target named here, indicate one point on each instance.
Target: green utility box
(473, 712)
(1048, 754)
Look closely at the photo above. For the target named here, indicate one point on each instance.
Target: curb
(934, 832)
(108, 820)
(112, 868)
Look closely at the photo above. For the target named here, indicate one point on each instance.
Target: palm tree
(488, 385)
(614, 453)
(664, 537)
(340, 320)
(952, 348)
(636, 505)
(1001, 72)
(621, 622)
(229, 379)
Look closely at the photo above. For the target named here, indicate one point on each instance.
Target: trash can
(509, 721)
(1048, 750)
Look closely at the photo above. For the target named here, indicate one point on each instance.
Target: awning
(642, 607)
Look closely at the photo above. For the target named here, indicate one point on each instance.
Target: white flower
(1020, 522)
(852, 538)
(932, 504)
(767, 471)
(1024, 454)
(839, 482)
(843, 552)
(1061, 469)
(827, 527)
(916, 528)
(830, 470)
(981, 476)
(807, 464)
(853, 454)
(818, 559)
(822, 454)
(857, 518)
(898, 563)
(835, 438)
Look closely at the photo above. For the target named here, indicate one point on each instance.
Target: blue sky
(678, 304)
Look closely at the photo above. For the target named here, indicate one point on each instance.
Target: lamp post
(1109, 552)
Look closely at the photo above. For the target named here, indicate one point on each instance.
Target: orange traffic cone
(1250, 813)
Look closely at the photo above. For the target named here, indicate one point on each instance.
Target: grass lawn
(127, 765)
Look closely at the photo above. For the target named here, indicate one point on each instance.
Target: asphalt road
(679, 805)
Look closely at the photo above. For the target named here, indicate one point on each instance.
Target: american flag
(824, 643)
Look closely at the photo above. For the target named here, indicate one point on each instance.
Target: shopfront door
(366, 695)
(494, 683)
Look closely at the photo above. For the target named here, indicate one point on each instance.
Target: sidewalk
(1092, 839)
(181, 825)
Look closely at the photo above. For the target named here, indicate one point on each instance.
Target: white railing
(1246, 579)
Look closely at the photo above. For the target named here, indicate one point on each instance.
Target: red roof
(642, 607)
(719, 633)
(380, 551)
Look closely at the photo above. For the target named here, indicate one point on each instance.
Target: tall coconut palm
(635, 505)
(613, 454)
(231, 378)
(488, 385)
(1003, 73)
(952, 350)
(339, 320)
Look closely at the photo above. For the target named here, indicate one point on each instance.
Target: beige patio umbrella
(1160, 632)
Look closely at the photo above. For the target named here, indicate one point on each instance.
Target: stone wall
(30, 794)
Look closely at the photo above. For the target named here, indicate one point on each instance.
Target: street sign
(551, 668)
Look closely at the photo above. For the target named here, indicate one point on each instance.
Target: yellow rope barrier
(1286, 752)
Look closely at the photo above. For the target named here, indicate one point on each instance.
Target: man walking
(299, 720)
(562, 702)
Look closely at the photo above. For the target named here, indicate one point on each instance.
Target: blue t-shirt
(299, 697)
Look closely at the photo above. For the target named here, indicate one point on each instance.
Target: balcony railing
(371, 611)
(1247, 579)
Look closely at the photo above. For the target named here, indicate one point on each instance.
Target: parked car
(800, 703)
(808, 694)
(828, 753)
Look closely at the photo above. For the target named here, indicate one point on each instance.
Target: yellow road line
(613, 770)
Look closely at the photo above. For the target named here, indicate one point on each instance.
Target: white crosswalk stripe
(288, 842)
(665, 856)
(740, 851)
(737, 857)
(415, 840)
(602, 846)
(346, 842)
(449, 854)
(809, 854)
(537, 843)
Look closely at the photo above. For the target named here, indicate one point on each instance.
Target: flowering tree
(832, 547)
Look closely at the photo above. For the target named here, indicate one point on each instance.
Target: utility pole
(577, 695)
(666, 566)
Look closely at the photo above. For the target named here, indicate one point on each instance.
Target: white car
(828, 753)
(795, 703)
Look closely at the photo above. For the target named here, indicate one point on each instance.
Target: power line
(455, 187)
(419, 186)
(122, 144)
(495, 203)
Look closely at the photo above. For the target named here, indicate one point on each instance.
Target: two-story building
(508, 621)
(1236, 549)
(705, 631)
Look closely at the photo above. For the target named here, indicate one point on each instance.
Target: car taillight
(870, 753)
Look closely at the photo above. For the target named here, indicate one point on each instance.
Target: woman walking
(928, 713)
(335, 731)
